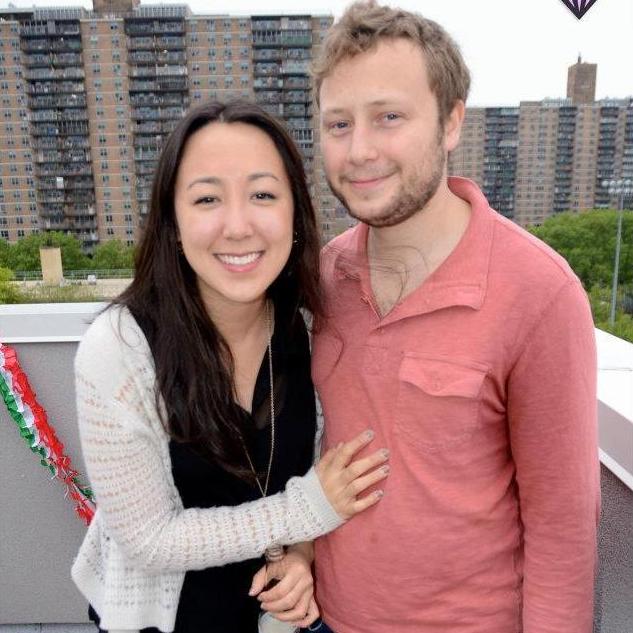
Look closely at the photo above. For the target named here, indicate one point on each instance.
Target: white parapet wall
(40, 534)
(615, 405)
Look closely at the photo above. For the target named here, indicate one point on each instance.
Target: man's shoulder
(517, 250)
(346, 241)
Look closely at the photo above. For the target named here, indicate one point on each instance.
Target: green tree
(600, 299)
(113, 255)
(8, 292)
(25, 253)
(587, 241)
(5, 253)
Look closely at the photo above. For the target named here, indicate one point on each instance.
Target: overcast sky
(516, 49)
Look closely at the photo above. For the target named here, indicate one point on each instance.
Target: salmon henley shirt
(482, 384)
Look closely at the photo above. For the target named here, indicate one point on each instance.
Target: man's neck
(401, 257)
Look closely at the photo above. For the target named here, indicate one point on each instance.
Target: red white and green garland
(34, 427)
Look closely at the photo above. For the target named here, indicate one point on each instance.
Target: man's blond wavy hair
(365, 23)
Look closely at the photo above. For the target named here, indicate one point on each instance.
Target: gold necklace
(264, 489)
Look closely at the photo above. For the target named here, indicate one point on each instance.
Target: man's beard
(412, 197)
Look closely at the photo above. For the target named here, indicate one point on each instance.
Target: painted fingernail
(386, 468)
(369, 434)
(379, 493)
(385, 452)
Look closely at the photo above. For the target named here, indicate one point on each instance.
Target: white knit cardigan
(132, 562)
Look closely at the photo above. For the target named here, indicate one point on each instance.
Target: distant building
(88, 97)
(546, 157)
(581, 82)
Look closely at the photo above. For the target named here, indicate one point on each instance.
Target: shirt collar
(461, 280)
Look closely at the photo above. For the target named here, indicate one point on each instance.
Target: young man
(466, 344)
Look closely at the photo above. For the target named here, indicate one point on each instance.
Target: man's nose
(362, 145)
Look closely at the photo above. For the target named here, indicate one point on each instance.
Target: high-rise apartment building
(549, 156)
(581, 82)
(88, 98)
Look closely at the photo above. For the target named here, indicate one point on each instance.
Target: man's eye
(338, 125)
(391, 116)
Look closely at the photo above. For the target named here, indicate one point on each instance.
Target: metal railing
(36, 275)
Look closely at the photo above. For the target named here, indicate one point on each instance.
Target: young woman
(196, 410)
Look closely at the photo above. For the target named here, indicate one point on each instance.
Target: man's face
(383, 145)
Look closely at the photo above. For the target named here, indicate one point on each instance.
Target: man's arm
(552, 414)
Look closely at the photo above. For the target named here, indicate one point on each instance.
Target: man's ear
(453, 126)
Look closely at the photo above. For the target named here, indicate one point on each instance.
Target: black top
(216, 600)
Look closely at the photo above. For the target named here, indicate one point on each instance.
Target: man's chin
(379, 217)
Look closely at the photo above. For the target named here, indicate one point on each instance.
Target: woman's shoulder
(113, 339)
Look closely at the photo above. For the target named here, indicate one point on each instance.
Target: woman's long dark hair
(194, 366)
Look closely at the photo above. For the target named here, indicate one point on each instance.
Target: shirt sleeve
(128, 465)
(552, 411)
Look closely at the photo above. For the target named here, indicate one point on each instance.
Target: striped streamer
(34, 427)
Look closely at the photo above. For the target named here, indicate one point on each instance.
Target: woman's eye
(264, 195)
(206, 200)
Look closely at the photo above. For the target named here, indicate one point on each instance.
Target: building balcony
(295, 68)
(66, 45)
(267, 54)
(58, 115)
(281, 39)
(145, 167)
(267, 96)
(158, 71)
(62, 101)
(266, 69)
(63, 128)
(33, 30)
(62, 169)
(157, 114)
(170, 42)
(157, 57)
(161, 84)
(55, 87)
(265, 25)
(41, 74)
(146, 155)
(74, 156)
(296, 96)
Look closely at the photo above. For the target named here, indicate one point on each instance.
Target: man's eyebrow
(374, 103)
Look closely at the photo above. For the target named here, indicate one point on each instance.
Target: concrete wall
(614, 589)
(40, 534)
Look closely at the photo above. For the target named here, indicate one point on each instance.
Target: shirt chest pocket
(438, 402)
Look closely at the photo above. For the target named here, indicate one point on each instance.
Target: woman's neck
(240, 322)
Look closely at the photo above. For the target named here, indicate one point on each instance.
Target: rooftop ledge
(66, 322)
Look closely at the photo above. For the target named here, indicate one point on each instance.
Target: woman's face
(234, 212)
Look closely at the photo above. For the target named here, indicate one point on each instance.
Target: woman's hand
(343, 480)
(291, 599)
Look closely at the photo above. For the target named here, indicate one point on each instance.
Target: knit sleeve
(128, 466)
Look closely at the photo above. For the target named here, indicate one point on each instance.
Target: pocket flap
(442, 378)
